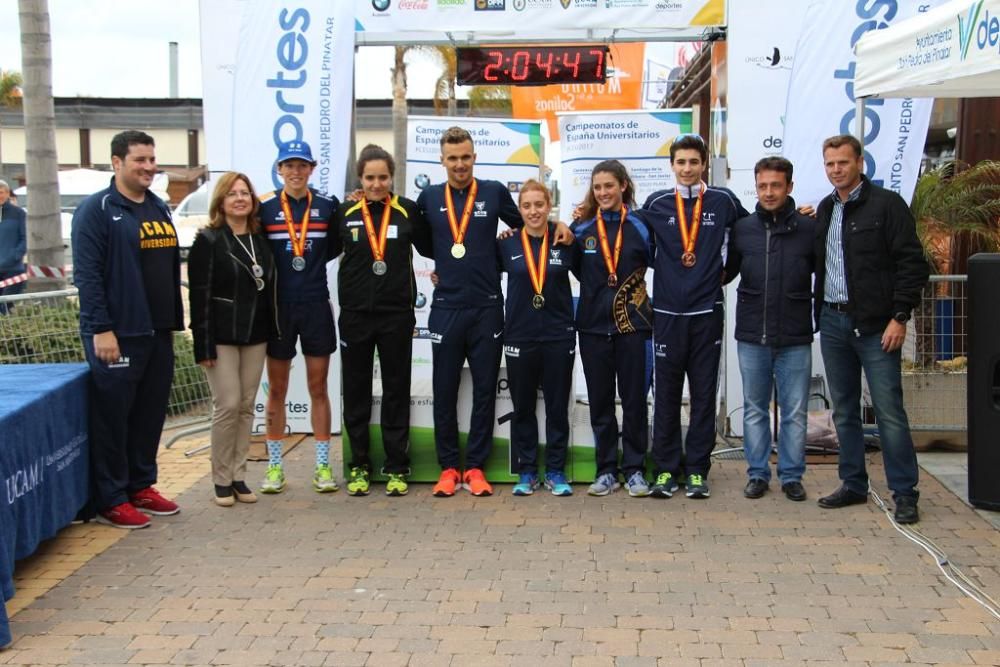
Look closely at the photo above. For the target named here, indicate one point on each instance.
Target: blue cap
(295, 150)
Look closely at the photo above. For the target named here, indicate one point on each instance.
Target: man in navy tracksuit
(127, 269)
(466, 320)
(690, 223)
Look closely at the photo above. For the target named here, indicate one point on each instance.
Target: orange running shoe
(476, 483)
(445, 487)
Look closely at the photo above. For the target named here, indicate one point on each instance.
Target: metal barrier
(935, 357)
(44, 327)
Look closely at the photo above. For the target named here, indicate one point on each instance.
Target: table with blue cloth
(43, 461)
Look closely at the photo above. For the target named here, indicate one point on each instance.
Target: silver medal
(299, 263)
(379, 267)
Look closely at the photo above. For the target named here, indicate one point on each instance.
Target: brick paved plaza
(303, 579)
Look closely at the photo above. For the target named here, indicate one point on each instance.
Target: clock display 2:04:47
(532, 65)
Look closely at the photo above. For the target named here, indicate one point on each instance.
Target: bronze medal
(612, 281)
(538, 302)
(611, 261)
(688, 260)
(536, 268)
(689, 235)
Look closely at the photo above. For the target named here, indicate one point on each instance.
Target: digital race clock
(531, 65)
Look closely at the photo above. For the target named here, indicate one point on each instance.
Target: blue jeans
(761, 366)
(845, 354)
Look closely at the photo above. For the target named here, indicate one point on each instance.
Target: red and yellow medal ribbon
(298, 243)
(458, 229)
(602, 233)
(689, 235)
(378, 242)
(536, 269)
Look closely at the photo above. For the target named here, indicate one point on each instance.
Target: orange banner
(623, 90)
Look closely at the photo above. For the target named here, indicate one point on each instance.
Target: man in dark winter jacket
(870, 272)
(13, 245)
(127, 269)
(772, 251)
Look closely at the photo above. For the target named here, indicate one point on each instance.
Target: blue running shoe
(526, 484)
(557, 484)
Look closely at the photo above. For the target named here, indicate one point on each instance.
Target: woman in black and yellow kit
(377, 291)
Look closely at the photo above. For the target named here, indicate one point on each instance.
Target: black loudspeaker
(983, 392)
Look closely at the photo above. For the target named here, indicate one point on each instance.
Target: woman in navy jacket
(233, 313)
(539, 342)
(614, 321)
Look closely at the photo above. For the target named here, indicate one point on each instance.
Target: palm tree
(490, 99)
(399, 116)
(41, 164)
(444, 88)
(10, 96)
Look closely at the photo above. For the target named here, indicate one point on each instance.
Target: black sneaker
(794, 491)
(664, 486)
(697, 487)
(755, 488)
(906, 510)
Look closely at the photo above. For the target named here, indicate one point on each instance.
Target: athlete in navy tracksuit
(539, 342)
(687, 301)
(614, 324)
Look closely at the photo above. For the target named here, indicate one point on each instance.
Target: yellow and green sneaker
(396, 486)
(323, 481)
(274, 480)
(359, 483)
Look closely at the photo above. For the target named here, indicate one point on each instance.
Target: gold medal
(538, 302)
(458, 229)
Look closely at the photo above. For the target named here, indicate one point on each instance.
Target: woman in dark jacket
(614, 323)
(232, 277)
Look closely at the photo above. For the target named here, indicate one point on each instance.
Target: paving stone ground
(305, 579)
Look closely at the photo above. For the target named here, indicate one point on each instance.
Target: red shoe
(445, 487)
(150, 501)
(476, 483)
(123, 516)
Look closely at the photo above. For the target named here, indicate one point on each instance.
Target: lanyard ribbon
(611, 262)
(689, 235)
(377, 243)
(536, 269)
(458, 229)
(298, 244)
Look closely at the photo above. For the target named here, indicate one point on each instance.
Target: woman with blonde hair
(232, 277)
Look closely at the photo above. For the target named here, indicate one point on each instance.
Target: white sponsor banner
(402, 16)
(275, 73)
(762, 38)
(639, 139)
(508, 151)
(821, 100)
(950, 51)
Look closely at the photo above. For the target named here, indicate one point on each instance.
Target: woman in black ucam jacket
(233, 313)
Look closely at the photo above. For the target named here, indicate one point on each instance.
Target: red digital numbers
(521, 59)
(531, 65)
(574, 63)
(547, 65)
(494, 66)
(599, 62)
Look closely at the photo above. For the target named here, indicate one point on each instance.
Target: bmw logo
(380, 5)
(421, 300)
(422, 181)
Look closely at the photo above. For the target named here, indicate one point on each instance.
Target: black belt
(839, 307)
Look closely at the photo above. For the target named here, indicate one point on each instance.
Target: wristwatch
(902, 317)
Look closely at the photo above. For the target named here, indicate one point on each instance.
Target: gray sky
(118, 48)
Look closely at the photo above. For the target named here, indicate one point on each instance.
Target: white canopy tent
(950, 51)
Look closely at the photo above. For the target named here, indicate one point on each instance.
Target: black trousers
(549, 364)
(391, 334)
(128, 405)
(605, 359)
(688, 345)
(475, 334)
